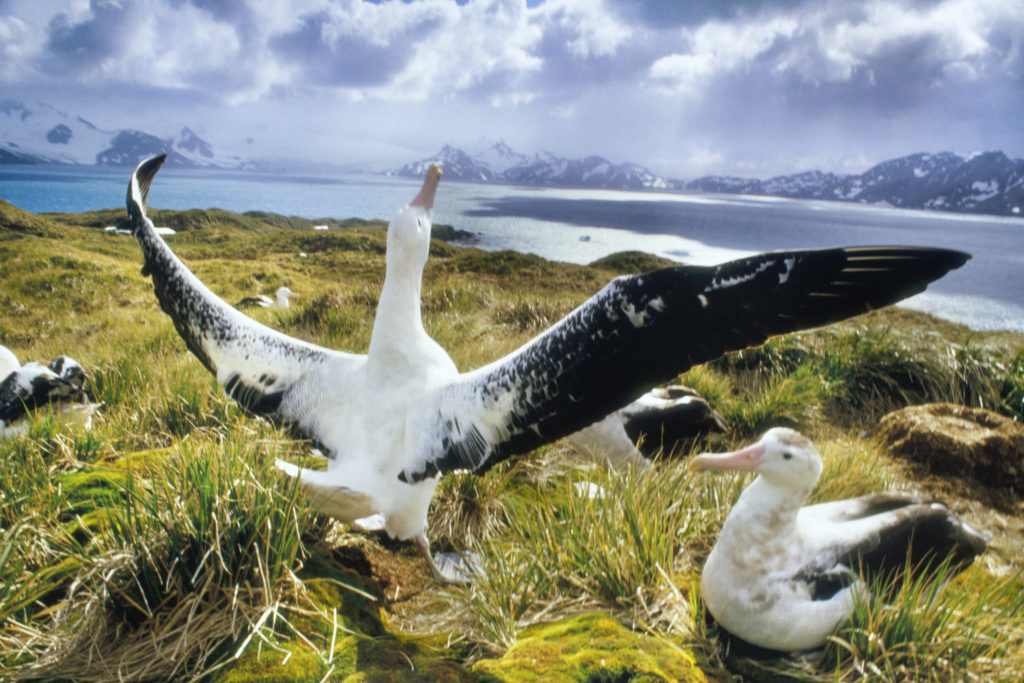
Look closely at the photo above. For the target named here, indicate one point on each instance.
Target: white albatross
(33, 385)
(264, 301)
(783, 576)
(394, 420)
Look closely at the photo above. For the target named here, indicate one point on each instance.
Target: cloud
(747, 83)
(896, 52)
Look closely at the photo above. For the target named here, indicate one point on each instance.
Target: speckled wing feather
(881, 533)
(643, 330)
(266, 372)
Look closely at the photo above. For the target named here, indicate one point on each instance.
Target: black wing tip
(936, 256)
(138, 187)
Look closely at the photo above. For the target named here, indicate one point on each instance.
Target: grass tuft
(163, 545)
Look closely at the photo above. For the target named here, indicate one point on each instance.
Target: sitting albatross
(660, 421)
(782, 576)
(392, 421)
(33, 385)
(264, 301)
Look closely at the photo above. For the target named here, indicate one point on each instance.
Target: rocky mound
(949, 439)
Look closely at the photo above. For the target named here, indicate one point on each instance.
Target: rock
(949, 439)
(590, 647)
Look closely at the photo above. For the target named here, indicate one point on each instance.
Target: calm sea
(580, 226)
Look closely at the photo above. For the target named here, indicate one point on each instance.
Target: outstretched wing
(266, 372)
(643, 330)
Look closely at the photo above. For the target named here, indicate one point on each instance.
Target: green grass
(162, 543)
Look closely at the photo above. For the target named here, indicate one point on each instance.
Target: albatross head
(409, 231)
(782, 457)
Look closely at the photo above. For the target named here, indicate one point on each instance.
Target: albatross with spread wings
(392, 421)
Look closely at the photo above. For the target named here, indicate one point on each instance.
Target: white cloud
(834, 42)
(596, 32)
(707, 86)
(17, 47)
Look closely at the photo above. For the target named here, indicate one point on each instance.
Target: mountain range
(40, 134)
(988, 182)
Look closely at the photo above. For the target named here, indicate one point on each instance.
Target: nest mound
(948, 439)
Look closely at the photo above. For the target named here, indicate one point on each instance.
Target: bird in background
(262, 300)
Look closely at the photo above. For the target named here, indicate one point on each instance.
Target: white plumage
(783, 576)
(8, 362)
(392, 421)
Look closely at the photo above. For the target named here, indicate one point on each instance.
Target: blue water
(580, 226)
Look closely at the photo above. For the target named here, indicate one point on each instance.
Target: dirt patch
(973, 460)
(971, 443)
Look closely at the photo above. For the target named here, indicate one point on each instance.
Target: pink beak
(742, 460)
(426, 196)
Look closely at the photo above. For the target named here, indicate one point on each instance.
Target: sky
(684, 88)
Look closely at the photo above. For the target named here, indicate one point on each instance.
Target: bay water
(580, 226)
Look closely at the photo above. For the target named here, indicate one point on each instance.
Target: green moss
(271, 666)
(590, 647)
(326, 585)
(354, 658)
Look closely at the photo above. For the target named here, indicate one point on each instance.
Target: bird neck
(766, 505)
(398, 327)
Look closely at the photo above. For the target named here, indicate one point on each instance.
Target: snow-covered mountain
(42, 134)
(457, 165)
(498, 156)
(499, 163)
(987, 182)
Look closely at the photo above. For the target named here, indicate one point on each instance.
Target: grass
(162, 545)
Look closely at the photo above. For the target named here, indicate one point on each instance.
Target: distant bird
(31, 386)
(392, 421)
(283, 294)
(782, 576)
(663, 419)
(114, 230)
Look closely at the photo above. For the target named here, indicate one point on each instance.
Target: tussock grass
(928, 631)
(162, 544)
(584, 539)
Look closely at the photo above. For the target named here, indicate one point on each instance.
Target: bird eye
(787, 456)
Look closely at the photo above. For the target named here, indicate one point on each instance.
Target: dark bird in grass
(661, 421)
(394, 420)
(24, 388)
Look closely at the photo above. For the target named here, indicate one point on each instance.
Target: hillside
(163, 545)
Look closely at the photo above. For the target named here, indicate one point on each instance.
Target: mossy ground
(591, 647)
(162, 544)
